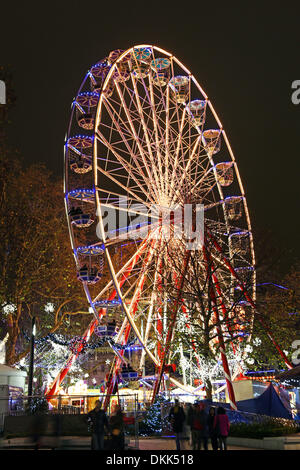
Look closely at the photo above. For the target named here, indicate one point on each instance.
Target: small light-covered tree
(155, 420)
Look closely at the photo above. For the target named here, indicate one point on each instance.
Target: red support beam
(249, 299)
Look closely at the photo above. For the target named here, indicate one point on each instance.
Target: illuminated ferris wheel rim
(98, 117)
(114, 282)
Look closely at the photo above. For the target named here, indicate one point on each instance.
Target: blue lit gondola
(90, 275)
(90, 250)
(108, 329)
(105, 303)
(81, 220)
(128, 374)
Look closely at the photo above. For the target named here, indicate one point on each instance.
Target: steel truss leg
(116, 365)
(170, 330)
(249, 299)
(53, 389)
(226, 368)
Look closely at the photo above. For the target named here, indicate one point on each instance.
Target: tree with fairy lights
(154, 420)
(205, 333)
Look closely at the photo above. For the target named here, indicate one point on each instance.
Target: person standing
(98, 420)
(204, 428)
(195, 426)
(189, 421)
(116, 424)
(199, 427)
(177, 418)
(186, 432)
(211, 429)
(222, 426)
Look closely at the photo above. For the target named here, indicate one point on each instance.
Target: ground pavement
(83, 443)
(169, 444)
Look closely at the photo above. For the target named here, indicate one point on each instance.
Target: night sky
(244, 56)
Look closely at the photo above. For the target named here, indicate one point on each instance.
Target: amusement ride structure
(158, 222)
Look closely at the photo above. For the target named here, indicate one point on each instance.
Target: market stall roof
(268, 403)
(290, 374)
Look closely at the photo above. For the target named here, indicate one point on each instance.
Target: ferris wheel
(144, 150)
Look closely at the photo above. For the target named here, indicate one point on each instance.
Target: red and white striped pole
(226, 369)
(231, 394)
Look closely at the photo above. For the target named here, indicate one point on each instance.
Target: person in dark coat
(204, 430)
(177, 418)
(211, 429)
(189, 421)
(222, 425)
(98, 421)
(199, 427)
(116, 424)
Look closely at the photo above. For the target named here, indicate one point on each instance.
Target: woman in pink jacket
(222, 426)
